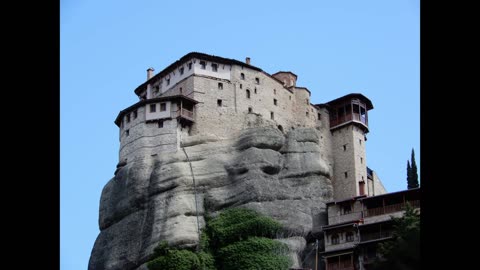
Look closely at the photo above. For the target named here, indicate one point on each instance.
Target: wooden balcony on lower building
(387, 209)
(183, 114)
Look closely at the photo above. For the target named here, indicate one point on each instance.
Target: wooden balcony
(375, 235)
(183, 113)
(356, 117)
(387, 209)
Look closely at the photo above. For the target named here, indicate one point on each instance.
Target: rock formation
(282, 175)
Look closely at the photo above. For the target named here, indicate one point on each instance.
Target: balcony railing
(349, 117)
(183, 113)
(375, 235)
(389, 209)
(341, 266)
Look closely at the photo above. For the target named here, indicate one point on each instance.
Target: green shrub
(254, 253)
(175, 260)
(238, 224)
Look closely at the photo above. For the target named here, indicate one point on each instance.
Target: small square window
(275, 102)
(220, 86)
(182, 70)
(242, 76)
(160, 123)
(202, 64)
(255, 90)
(219, 102)
(214, 67)
(240, 86)
(346, 174)
(127, 132)
(128, 118)
(163, 107)
(189, 66)
(168, 81)
(250, 110)
(347, 209)
(272, 116)
(344, 147)
(135, 114)
(153, 107)
(257, 80)
(319, 116)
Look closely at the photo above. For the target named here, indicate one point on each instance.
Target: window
(242, 76)
(360, 141)
(157, 88)
(214, 67)
(257, 80)
(344, 147)
(160, 123)
(220, 86)
(290, 97)
(202, 64)
(219, 102)
(168, 81)
(128, 118)
(153, 107)
(248, 93)
(240, 86)
(272, 116)
(347, 209)
(163, 107)
(255, 90)
(274, 91)
(319, 116)
(335, 239)
(275, 102)
(189, 66)
(349, 237)
(361, 160)
(181, 70)
(181, 90)
(307, 101)
(127, 132)
(250, 110)
(346, 174)
(361, 187)
(306, 114)
(135, 114)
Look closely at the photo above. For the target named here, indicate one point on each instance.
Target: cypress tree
(414, 173)
(409, 175)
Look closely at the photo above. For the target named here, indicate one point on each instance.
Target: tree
(412, 174)
(409, 175)
(402, 252)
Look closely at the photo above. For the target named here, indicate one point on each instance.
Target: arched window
(335, 239)
(248, 93)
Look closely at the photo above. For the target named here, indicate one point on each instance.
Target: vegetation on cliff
(236, 239)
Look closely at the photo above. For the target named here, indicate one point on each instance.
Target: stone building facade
(217, 97)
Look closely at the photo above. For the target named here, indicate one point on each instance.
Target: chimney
(247, 60)
(150, 73)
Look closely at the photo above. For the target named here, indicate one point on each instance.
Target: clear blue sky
(335, 47)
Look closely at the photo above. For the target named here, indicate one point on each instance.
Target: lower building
(356, 226)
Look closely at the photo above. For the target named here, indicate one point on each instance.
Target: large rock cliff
(282, 175)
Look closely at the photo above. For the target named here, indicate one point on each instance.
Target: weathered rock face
(152, 199)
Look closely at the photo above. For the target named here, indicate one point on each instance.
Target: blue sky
(335, 47)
